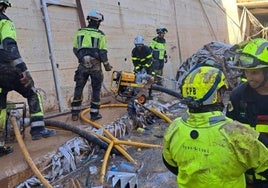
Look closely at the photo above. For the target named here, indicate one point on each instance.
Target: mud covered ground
(149, 170)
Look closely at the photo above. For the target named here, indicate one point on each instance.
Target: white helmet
(95, 15)
(139, 40)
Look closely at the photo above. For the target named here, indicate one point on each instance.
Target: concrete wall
(191, 24)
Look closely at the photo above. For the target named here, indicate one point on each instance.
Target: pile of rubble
(216, 54)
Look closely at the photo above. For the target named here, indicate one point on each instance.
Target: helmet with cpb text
(254, 55)
(95, 15)
(161, 30)
(202, 85)
(5, 2)
(139, 40)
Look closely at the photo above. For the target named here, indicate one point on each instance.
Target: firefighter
(158, 47)
(142, 57)
(204, 148)
(90, 48)
(14, 75)
(249, 101)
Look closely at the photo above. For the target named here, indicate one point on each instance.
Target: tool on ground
(17, 110)
(128, 85)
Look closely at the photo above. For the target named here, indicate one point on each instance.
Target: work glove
(107, 66)
(26, 78)
(165, 60)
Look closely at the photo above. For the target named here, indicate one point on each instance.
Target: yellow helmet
(202, 85)
(254, 55)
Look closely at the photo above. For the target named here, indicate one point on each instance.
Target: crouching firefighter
(3, 113)
(14, 75)
(90, 49)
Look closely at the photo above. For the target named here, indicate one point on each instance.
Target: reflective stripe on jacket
(8, 47)
(142, 58)
(90, 41)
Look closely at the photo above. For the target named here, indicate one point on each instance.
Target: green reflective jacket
(212, 151)
(8, 30)
(158, 46)
(90, 41)
(8, 48)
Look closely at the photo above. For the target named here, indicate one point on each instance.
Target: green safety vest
(159, 49)
(90, 38)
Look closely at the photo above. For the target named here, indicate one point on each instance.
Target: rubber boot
(40, 132)
(75, 116)
(95, 116)
(4, 150)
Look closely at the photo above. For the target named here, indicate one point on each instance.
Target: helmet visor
(247, 61)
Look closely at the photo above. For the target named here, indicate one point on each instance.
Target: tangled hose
(107, 144)
(114, 142)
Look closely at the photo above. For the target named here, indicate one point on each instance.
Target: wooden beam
(80, 13)
(253, 4)
(259, 11)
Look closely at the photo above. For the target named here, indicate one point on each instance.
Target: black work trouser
(81, 77)
(10, 81)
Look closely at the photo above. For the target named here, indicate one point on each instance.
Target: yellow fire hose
(105, 161)
(114, 142)
(120, 149)
(27, 156)
(138, 144)
(161, 115)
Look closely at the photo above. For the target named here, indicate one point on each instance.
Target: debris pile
(216, 54)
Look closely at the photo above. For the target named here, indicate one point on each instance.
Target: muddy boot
(45, 133)
(95, 116)
(75, 116)
(4, 150)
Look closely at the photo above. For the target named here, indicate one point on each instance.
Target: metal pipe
(80, 13)
(177, 30)
(51, 54)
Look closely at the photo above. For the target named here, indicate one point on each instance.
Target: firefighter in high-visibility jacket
(204, 148)
(249, 101)
(159, 52)
(90, 49)
(14, 75)
(142, 57)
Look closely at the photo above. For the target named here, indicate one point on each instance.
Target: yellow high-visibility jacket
(212, 151)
